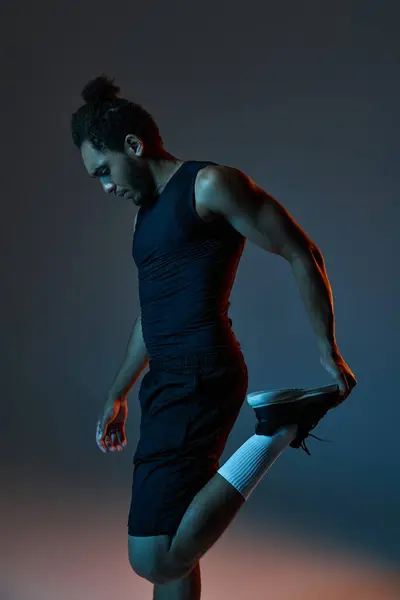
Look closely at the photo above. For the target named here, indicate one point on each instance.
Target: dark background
(304, 98)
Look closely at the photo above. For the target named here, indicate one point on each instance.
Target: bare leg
(188, 588)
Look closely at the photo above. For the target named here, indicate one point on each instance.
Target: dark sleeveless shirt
(186, 269)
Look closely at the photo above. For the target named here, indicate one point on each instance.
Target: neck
(163, 168)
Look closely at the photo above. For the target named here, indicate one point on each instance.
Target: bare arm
(135, 362)
(110, 432)
(266, 223)
(260, 218)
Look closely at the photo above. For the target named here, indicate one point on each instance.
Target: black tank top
(186, 270)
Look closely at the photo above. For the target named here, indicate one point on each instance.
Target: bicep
(253, 212)
(266, 223)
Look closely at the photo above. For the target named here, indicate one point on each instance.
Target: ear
(133, 145)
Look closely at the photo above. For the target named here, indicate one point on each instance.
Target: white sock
(247, 466)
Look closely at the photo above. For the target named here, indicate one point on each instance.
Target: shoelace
(303, 444)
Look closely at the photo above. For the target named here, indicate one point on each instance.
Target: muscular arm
(134, 363)
(260, 218)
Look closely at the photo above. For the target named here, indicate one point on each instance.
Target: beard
(143, 189)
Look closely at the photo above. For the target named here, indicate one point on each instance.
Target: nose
(109, 188)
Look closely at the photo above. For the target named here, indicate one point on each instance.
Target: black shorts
(189, 407)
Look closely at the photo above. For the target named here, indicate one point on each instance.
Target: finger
(101, 445)
(100, 438)
(340, 380)
(117, 443)
(343, 388)
(103, 435)
(122, 438)
(352, 382)
(108, 443)
(350, 385)
(114, 441)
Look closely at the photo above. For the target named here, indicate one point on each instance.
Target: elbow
(305, 254)
(317, 257)
(307, 261)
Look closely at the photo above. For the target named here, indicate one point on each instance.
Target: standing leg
(188, 588)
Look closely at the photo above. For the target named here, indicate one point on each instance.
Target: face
(126, 174)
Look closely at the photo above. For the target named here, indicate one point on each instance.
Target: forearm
(315, 291)
(135, 361)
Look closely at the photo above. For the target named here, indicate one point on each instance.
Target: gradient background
(303, 97)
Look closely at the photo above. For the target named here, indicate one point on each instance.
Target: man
(190, 230)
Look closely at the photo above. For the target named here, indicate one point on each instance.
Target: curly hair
(105, 119)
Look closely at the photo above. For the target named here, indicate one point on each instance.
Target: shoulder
(216, 186)
(214, 178)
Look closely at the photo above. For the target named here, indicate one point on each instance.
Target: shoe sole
(302, 407)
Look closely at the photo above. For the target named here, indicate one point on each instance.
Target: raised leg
(285, 417)
(161, 560)
(206, 519)
(217, 504)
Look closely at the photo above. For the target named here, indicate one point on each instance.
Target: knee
(153, 575)
(158, 573)
(141, 564)
(149, 572)
(156, 568)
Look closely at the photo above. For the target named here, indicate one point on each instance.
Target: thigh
(219, 396)
(164, 398)
(146, 554)
(162, 491)
(189, 412)
(186, 420)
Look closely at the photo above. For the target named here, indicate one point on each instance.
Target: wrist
(113, 396)
(328, 347)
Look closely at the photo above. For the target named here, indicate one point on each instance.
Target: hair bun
(101, 89)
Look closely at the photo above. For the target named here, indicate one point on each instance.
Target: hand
(110, 432)
(338, 369)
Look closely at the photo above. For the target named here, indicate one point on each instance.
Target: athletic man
(189, 235)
